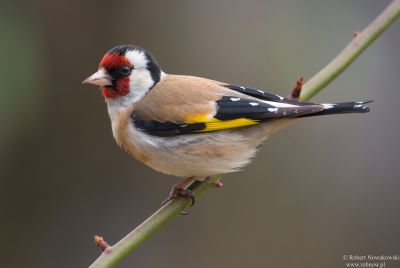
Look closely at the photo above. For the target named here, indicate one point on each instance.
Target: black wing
(264, 95)
(232, 112)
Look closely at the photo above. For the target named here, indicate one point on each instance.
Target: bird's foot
(181, 190)
(178, 191)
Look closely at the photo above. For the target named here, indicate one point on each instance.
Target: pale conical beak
(100, 78)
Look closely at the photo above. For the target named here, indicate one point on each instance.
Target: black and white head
(126, 73)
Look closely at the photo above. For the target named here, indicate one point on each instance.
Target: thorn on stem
(295, 95)
(356, 33)
(217, 184)
(101, 243)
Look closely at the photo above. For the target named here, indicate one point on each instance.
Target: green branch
(114, 254)
(360, 42)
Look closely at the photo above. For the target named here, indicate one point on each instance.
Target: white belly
(203, 154)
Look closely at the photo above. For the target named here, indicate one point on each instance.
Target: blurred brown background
(323, 188)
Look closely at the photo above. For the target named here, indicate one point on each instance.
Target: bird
(193, 127)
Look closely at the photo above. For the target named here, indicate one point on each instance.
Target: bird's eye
(124, 70)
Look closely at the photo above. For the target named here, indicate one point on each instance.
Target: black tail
(343, 108)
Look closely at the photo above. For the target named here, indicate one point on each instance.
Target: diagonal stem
(114, 254)
(360, 42)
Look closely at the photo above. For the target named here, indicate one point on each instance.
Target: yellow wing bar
(216, 124)
(213, 124)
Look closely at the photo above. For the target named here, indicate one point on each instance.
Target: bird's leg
(180, 189)
(295, 95)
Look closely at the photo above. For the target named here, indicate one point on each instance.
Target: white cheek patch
(137, 58)
(140, 84)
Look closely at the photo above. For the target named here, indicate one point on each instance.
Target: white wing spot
(235, 99)
(273, 109)
(243, 88)
(327, 105)
(280, 104)
(253, 103)
(262, 92)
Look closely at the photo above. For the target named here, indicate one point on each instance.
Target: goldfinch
(189, 126)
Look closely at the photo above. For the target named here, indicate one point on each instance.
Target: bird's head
(126, 71)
